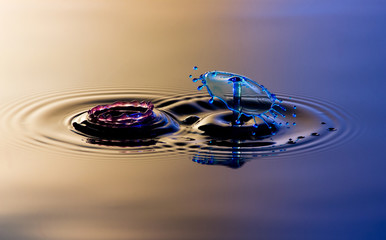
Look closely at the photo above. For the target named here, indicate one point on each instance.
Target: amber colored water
(54, 52)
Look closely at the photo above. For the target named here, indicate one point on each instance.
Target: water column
(236, 100)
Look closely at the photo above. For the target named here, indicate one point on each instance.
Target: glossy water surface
(177, 123)
(322, 178)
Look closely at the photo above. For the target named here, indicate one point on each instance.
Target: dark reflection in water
(235, 161)
(121, 142)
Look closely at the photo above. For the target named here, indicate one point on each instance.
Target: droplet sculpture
(241, 95)
(124, 120)
(121, 114)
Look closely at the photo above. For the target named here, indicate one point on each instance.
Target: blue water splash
(241, 95)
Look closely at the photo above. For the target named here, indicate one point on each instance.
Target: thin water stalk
(236, 101)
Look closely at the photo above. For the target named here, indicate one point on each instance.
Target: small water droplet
(294, 115)
(200, 87)
(294, 107)
(195, 68)
(331, 129)
(195, 79)
(322, 123)
(190, 76)
(287, 123)
(300, 137)
(211, 100)
(315, 134)
(294, 123)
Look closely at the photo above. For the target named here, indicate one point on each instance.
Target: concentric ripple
(199, 129)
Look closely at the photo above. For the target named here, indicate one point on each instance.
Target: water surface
(60, 59)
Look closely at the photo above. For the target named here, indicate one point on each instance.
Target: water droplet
(294, 107)
(331, 129)
(287, 123)
(294, 123)
(195, 68)
(294, 115)
(211, 100)
(300, 137)
(322, 123)
(190, 76)
(195, 79)
(200, 87)
(315, 134)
